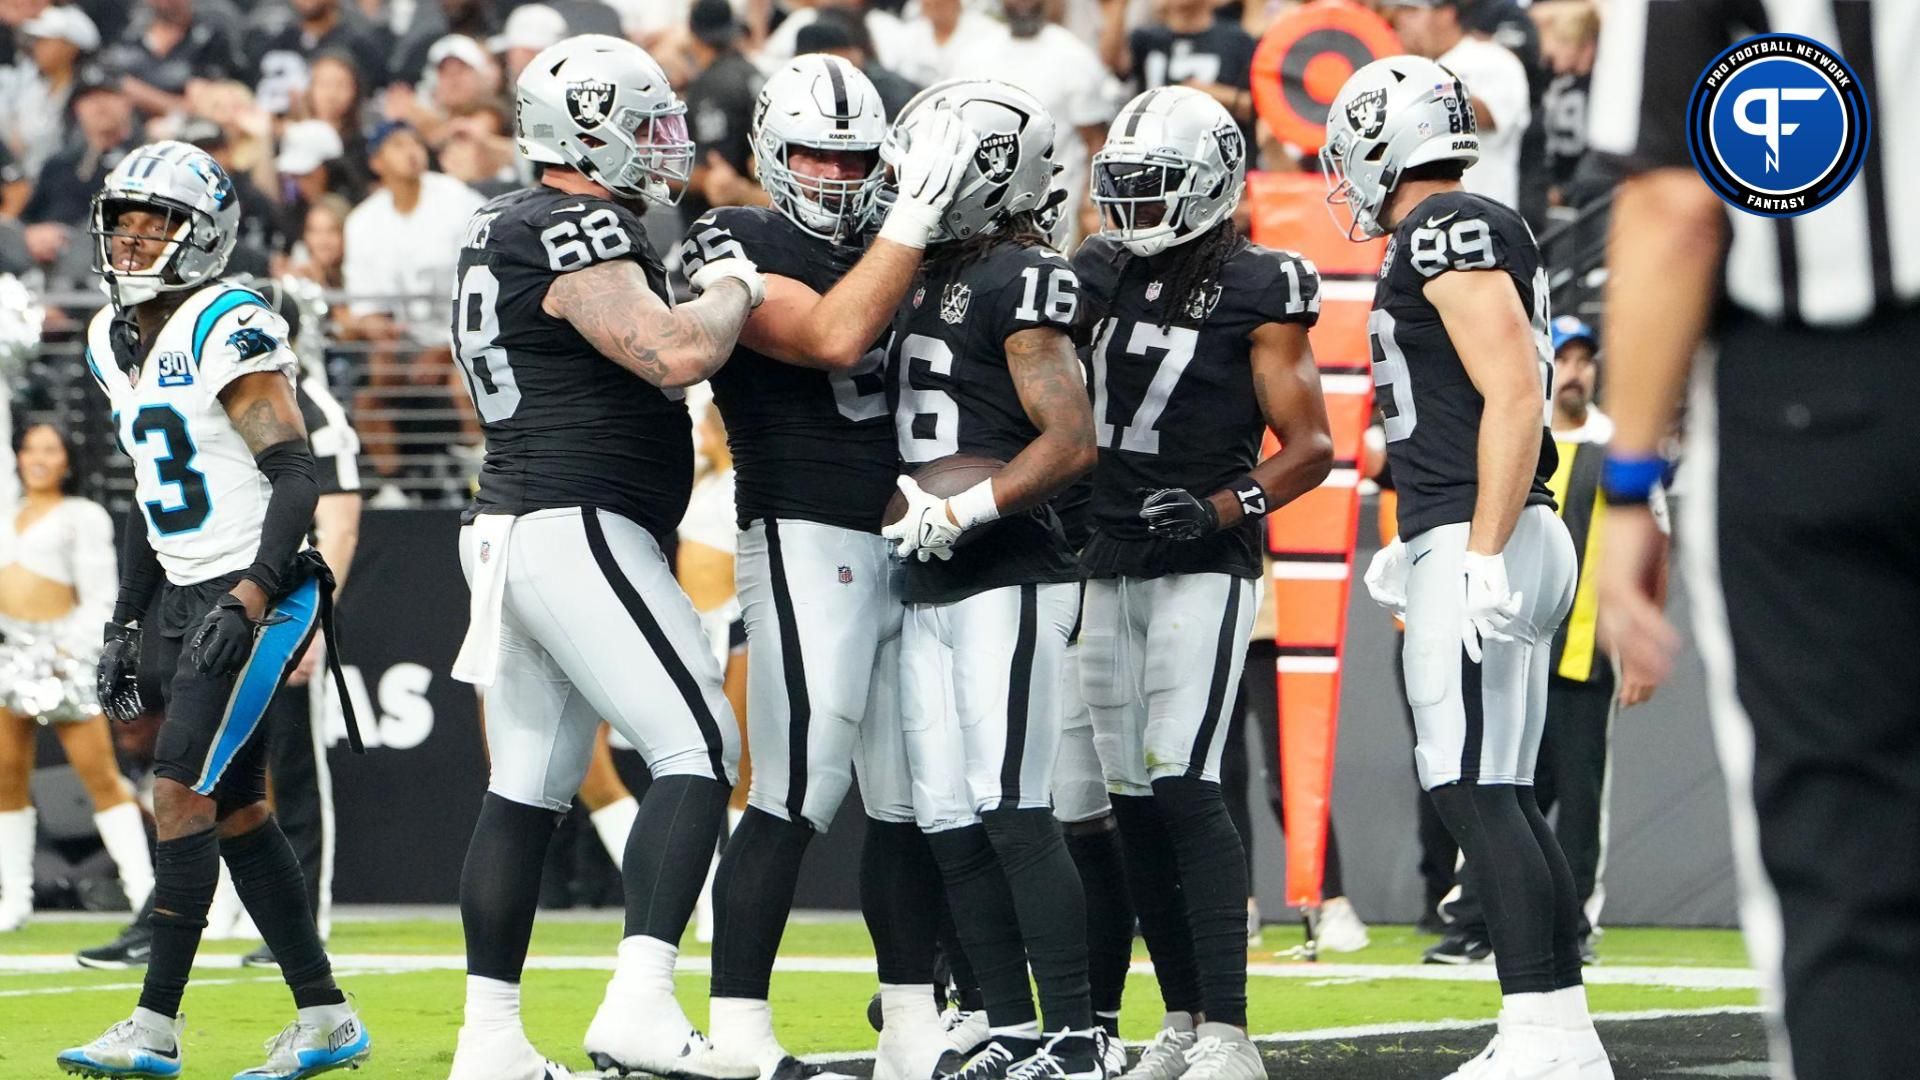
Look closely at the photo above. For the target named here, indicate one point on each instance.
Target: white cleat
(1340, 927)
(1165, 1058)
(1527, 1052)
(640, 1033)
(1588, 1055)
(1223, 1052)
(321, 1040)
(15, 912)
(1476, 1066)
(902, 1056)
(1113, 1053)
(128, 1048)
(968, 1031)
(501, 1055)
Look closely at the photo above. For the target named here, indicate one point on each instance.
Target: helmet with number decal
(1173, 167)
(194, 198)
(819, 102)
(602, 106)
(1012, 168)
(1391, 115)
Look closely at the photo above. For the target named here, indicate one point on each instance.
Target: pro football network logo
(953, 303)
(998, 156)
(589, 102)
(1778, 125)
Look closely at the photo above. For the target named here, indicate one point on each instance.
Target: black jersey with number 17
(807, 444)
(565, 426)
(1428, 404)
(1173, 401)
(952, 393)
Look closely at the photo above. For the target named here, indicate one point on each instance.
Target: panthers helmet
(1012, 168)
(1391, 115)
(1173, 167)
(602, 106)
(193, 193)
(823, 103)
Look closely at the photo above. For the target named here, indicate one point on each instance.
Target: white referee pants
(981, 704)
(592, 626)
(823, 634)
(1481, 723)
(1160, 668)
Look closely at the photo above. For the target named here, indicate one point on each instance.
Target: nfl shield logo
(486, 550)
(953, 303)
(919, 294)
(846, 575)
(1153, 291)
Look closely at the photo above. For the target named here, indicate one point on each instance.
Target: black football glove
(117, 680)
(224, 638)
(1175, 514)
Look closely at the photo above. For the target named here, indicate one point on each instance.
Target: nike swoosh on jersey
(1436, 222)
(574, 209)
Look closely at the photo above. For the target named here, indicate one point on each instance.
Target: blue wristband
(1629, 481)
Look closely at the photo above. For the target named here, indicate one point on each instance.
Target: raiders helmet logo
(589, 102)
(1367, 113)
(953, 303)
(998, 156)
(1232, 147)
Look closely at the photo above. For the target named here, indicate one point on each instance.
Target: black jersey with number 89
(1173, 400)
(565, 425)
(1428, 404)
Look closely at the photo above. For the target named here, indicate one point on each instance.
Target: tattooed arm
(614, 308)
(264, 410)
(1053, 391)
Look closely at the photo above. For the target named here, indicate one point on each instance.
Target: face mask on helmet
(136, 244)
(833, 206)
(1140, 202)
(1360, 222)
(662, 159)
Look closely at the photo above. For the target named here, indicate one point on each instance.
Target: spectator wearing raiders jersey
(804, 400)
(1170, 286)
(576, 363)
(1803, 504)
(1483, 569)
(283, 49)
(1569, 35)
(1191, 46)
(982, 364)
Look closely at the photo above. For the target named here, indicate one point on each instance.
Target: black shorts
(212, 739)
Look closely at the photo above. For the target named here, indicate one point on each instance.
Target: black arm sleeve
(139, 569)
(289, 467)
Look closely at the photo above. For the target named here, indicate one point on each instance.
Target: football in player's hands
(941, 479)
(736, 267)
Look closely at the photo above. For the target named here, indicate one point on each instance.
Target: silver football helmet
(1174, 166)
(1012, 167)
(602, 106)
(819, 102)
(1391, 115)
(183, 184)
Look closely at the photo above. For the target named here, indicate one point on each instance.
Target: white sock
(16, 857)
(1572, 1006)
(124, 833)
(1539, 1009)
(908, 1008)
(614, 822)
(645, 965)
(157, 1026)
(1028, 1030)
(492, 1004)
(744, 1025)
(328, 1017)
(1178, 1021)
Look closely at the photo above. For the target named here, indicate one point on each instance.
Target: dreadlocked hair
(1021, 229)
(1197, 268)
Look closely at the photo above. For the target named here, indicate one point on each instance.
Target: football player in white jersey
(217, 597)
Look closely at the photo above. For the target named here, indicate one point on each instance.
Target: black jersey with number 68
(1429, 406)
(565, 425)
(1173, 401)
(808, 444)
(952, 393)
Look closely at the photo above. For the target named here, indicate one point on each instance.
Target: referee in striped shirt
(1801, 532)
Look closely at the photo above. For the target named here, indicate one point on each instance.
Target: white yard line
(1679, 978)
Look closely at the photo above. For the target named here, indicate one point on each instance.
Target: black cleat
(995, 1059)
(1588, 955)
(130, 950)
(260, 957)
(1460, 947)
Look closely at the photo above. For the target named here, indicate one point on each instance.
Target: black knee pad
(1023, 838)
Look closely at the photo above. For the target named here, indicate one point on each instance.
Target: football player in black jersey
(1484, 568)
(804, 400)
(1198, 345)
(575, 357)
(982, 364)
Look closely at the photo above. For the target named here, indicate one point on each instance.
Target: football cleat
(1069, 1055)
(1340, 929)
(967, 1030)
(128, 1048)
(1223, 1052)
(995, 1060)
(260, 957)
(305, 1048)
(130, 950)
(1113, 1053)
(635, 1034)
(1460, 948)
(501, 1055)
(1165, 1058)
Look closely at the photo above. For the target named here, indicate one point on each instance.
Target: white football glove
(1387, 577)
(924, 531)
(736, 267)
(1490, 604)
(928, 175)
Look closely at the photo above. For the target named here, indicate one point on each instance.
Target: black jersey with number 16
(1430, 408)
(565, 426)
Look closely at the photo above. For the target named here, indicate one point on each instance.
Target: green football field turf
(414, 1014)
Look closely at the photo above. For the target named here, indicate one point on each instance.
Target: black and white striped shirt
(336, 447)
(1837, 265)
